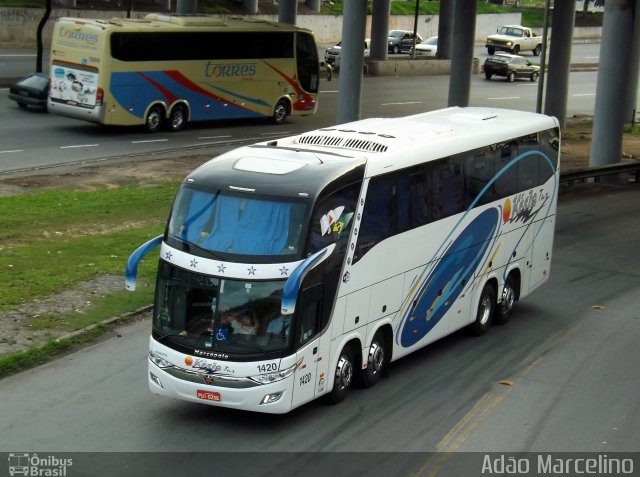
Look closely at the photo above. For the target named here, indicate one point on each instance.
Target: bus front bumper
(273, 398)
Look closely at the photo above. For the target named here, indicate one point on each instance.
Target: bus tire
(154, 119)
(177, 118)
(376, 361)
(343, 376)
(486, 308)
(280, 112)
(505, 308)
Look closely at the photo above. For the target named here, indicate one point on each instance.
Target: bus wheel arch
(510, 295)
(378, 357)
(155, 118)
(280, 111)
(178, 117)
(485, 309)
(343, 373)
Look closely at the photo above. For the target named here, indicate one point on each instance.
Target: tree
(596, 3)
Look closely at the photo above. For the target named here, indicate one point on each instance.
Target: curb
(127, 316)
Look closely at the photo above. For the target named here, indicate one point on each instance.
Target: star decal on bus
(194, 263)
(168, 255)
(252, 270)
(284, 271)
(221, 268)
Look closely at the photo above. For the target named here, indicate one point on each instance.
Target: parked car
(428, 47)
(332, 54)
(401, 41)
(32, 90)
(511, 67)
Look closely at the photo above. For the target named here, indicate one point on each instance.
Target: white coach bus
(293, 268)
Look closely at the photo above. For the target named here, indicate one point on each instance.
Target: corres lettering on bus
(213, 70)
(78, 35)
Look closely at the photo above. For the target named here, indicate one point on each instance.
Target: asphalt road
(559, 377)
(34, 140)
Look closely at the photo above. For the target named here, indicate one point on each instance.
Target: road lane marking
(406, 102)
(212, 137)
(275, 134)
(148, 140)
(79, 145)
(332, 91)
(506, 97)
(13, 150)
(584, 94)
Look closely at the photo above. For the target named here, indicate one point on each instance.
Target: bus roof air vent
(345, 142)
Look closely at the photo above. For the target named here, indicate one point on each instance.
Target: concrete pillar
(559, 59)
(351, 61)
(631, 101)
(186, 7)
(251, 6)
(464, 22)
(287, 11)
(380, 29)
(445, 29)
(613, 78)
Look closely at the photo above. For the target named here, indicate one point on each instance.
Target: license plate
(208, 395)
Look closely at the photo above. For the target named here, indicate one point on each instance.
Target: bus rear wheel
(376, 361)
(280, 112)
(153, 122)
(177, 118)
(486, 308)
(343, 377)
(505, 308)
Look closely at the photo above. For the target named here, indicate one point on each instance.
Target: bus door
(307, 341)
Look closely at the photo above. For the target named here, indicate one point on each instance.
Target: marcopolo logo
(22, 463)
(78, 35)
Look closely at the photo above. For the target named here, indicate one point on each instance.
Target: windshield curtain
(219, 315)
(237, 224)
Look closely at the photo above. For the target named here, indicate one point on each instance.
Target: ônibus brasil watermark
(24, 463)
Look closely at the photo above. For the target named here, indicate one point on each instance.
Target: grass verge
(52, 241)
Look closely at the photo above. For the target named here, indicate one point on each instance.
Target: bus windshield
(237, 224)
(219, 315)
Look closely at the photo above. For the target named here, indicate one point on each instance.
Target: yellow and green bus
(167, 70)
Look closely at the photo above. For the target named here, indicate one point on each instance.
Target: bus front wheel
(280, 112)
(177, 118)
(486, 308)
(153, 123)
(343, 376)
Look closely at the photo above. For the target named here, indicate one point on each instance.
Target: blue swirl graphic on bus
(447, 280)
(131, 270)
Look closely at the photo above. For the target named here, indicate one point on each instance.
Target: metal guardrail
(596, 172)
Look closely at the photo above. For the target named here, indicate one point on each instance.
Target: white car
(332, 54)
(428, 47)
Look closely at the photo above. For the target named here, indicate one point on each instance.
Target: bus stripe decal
(165, 92)
(183, 81)
(304, 101)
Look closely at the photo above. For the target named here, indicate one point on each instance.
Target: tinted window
(178, 46)
(403, 200)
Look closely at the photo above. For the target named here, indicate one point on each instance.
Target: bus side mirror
(131, 270)
(294, 282)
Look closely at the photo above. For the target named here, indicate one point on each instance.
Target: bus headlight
(274, 377)
(158, 361)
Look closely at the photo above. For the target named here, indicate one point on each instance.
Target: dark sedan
(511, 67)
(32, 90)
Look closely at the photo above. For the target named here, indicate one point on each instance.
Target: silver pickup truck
(514, 39)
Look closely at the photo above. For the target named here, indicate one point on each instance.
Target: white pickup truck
(514, 39)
